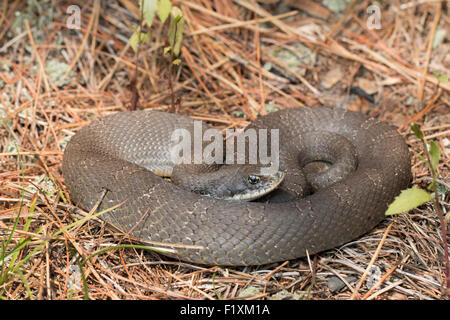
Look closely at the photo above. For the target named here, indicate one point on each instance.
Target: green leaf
(435, 153)
(408, 199)
(164, 7)
(416, 129)
(148, 8)
(176, 30)
(138, 38)
(176, 62)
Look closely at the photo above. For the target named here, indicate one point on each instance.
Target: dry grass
(224, 78)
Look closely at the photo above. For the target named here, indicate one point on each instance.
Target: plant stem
(133, 82)
(172, 95)
(440, 213)
(171, 60)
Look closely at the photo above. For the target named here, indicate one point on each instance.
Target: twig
(420, 87)
(372, 261)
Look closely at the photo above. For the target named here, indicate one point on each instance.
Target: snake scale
(108, 158)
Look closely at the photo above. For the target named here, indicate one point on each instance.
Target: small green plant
(414, 197)
(164, 9)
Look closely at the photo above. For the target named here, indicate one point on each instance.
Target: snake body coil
(111, 154)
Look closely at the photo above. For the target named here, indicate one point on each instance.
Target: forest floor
(239, 59)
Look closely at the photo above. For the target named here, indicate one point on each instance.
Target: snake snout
(257, 185)
(245, 184)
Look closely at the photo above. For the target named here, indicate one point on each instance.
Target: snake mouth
(270, 183)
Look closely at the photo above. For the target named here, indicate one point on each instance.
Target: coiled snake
(109, 157)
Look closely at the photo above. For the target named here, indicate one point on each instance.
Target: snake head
(244, 183)
(257, 186)
(228, 182)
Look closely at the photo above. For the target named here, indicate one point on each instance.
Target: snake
(116, 165)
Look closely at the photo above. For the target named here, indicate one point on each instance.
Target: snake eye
(253, 179)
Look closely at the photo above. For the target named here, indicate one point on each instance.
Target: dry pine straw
(221, 80)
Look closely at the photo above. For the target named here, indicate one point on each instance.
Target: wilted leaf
(167, 50)
(408, 199)
(164, 7)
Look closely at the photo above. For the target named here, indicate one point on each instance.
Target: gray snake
(110, 154)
